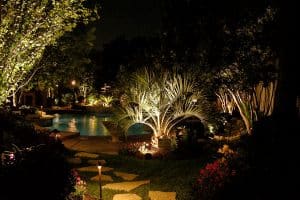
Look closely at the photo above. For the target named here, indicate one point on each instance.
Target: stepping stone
(126, 176)
(158, 195)
(103, 178)
(94, 168)
(126, 197)
(74, 161)
(86, 155)
(95, 162)
(127, 186)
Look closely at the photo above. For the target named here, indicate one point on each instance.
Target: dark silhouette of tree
(124, 54)
(69, 59)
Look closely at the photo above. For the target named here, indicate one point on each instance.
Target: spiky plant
(107, 100)
(161, 100)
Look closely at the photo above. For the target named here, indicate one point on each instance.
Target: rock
(158, 195)
(126, 197)
(103, 178)
(95, 162)
(74, 161)
(93, 168)
(126, 186)
(126, 176)
(86, 155)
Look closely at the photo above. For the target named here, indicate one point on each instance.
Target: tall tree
(248, 75)
(27, 27)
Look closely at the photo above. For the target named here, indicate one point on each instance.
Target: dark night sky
(127, 18)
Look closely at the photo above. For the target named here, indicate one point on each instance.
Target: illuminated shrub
(212, 179)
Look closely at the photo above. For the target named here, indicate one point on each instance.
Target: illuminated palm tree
(161, 100)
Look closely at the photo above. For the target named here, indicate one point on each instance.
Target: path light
(100, 185)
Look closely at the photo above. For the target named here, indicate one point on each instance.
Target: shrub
(130, 148)
(80, 187)
(212, 179)
(40, 173)
(67, 98)
(38, 169)
(14, 129)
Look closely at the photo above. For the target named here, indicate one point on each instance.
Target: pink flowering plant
(80, 187)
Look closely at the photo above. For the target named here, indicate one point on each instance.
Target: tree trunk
(239, 103)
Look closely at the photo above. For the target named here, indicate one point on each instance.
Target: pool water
(88, 124)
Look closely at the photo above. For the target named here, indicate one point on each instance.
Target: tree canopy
(27, 28)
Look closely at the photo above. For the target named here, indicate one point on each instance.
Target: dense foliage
(27, 27)
(32, 163)
(161, 99)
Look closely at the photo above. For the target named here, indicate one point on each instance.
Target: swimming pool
(88, 124)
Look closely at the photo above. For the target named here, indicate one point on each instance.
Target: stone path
(86, 155)
(126, 176)
(127, 185)
(94, 168)
(103, 178)
(158, 195)
(95, 162)
(74, 161)
(129, 196)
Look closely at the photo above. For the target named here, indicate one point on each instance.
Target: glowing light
(147, 148)
(100, 181)
(211, 128)
(157, 101)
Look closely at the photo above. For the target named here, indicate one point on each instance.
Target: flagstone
(86, 155)
(94, 168)
(103, 178)
(74, 161)
(126, 176)
(95, 162)
(158, 195)
(127, 186)
(126, 197)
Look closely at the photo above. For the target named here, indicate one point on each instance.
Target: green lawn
(164, 175)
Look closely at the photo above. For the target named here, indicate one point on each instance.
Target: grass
(164, 175)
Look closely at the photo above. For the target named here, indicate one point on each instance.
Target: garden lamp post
(100, 184)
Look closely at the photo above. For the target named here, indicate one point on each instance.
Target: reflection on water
(93, 124)
(72, 125)
(90, 125)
